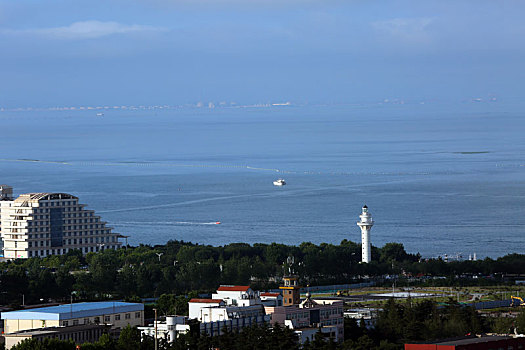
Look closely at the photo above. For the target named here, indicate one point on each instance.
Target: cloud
(86, 30)
(408, 30)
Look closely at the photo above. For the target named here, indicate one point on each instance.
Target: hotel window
(137, 314)
(86, 321)
(128, 316)
(117, 317)
(65, 323)
(107, 318)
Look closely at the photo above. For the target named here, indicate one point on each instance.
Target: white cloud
(410, 30)
(86, 30)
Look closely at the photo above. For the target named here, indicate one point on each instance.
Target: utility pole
(156, 343)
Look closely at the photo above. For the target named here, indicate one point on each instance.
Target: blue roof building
(115, 313)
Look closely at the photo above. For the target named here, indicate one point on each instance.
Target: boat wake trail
(162, 223)
(169, 205)
(221, 166)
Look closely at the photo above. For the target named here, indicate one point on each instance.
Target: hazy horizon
(139, 52)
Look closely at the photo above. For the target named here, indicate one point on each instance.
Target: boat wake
(164, 223)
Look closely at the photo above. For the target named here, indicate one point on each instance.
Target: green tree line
(180, 267)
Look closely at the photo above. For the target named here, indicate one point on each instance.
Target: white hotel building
(43, 224)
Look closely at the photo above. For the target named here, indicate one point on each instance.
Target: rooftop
(208, 301)
(69, 311)
(43, 195)
(471, 340)
(233, 288)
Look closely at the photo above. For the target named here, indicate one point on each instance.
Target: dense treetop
(182, 267)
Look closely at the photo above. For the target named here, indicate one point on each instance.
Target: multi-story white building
(311, 316)
(212, 310)
(42, 224)
(237, 295)
(232, 308)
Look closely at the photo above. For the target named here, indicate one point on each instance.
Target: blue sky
(317, 51)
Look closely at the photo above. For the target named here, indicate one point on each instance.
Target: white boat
(279, 182)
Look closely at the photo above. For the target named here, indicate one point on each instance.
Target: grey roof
(473, 340)
(44, 195)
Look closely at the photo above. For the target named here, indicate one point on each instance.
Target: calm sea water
(437, 179)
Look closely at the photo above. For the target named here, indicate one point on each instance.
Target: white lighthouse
(365, 225)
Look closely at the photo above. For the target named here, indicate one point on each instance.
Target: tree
(106, 342)
(393, 252)
(352, 330)
(45, 344)
(364, 343)
(129, 339)
(520, 322)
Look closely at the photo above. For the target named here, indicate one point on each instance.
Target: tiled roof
(270, 294)
(208, 301)
(233, 288)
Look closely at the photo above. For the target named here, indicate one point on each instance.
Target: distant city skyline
(233, 104)
(138, 52)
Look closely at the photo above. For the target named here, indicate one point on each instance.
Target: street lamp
(156, 344)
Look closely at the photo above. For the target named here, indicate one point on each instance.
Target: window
(97, 319)
(75, 322)
(86, 321)
(137, 314)
(117, 317)
(65, 323)
(107, 319)
(128, 316)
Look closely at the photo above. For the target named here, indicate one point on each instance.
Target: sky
(148, 52)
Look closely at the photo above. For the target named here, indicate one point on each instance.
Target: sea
(438, 178)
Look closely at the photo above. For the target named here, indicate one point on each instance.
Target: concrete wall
(12, 341)
(11, 326)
